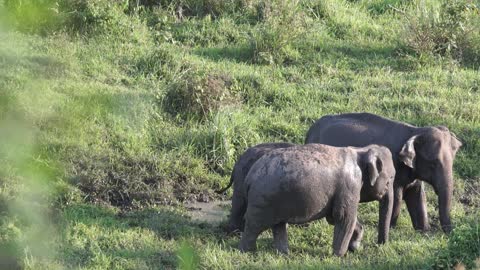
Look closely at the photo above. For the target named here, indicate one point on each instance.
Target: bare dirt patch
(213, 212)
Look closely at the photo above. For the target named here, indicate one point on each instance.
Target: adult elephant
(424, 153)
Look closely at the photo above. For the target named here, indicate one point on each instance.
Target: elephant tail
(227, 187)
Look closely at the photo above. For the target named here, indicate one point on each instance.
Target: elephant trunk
(444, 192)
(386, 206)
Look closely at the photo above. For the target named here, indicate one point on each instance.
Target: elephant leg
(397, 204)
(385, 216)
(239, 206)
(330, 220)
(356, 237)
(280, 237)
(343, 231)
(249, 237)
(417, 206)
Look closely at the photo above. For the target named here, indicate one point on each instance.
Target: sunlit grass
(84, 127)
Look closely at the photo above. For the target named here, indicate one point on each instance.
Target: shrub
(159, 63)
(447, 30)
(102, 16)
(34, 16)
(272, 42)
(222, 140)
(343, 20)
(10, 251)
(205, 32)
(209, 7)
(199, 8)
(379, 7)
(463, 246)
(199, 94)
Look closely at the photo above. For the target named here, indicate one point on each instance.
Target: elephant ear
(456, 143)
(407, 154)
(374, 167)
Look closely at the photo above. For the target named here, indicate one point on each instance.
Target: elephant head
(378, 172)
(430, 154)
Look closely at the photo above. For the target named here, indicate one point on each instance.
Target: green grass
(96, 161)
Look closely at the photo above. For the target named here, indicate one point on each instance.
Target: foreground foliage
(115, 113)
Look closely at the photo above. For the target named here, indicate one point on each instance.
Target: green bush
(10, 251)
(272, 42)
(342, 20)
(379, 7)
(159, 63)
(209, 7)
(449, 29)
(102, 16)
(199, 94)
(198, 8)
(463, 246)
(208, 32)
(222, 140)
(34, 16)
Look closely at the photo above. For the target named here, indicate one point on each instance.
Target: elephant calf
(240, 171)
(307, 182)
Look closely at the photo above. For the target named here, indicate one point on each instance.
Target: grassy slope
(92, 110)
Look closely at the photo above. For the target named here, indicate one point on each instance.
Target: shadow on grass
(45, 66)
(237, 54)
(363, 57)
(101, 232)
(353, 56)
(418, 263)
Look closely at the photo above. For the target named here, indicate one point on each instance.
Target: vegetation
(113, 114)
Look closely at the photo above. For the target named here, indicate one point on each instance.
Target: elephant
(303, 183)
(425, 153)
(237, 178)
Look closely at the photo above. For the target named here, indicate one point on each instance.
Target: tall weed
(447, 29)
(199, 94)
(463, 247)
(272, 42)
(33, 16)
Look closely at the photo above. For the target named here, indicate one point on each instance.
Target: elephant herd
(347, 159)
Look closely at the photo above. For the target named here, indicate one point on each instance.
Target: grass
(97, 160)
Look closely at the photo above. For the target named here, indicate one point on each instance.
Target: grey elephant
(237, 178)
(425, 153)
(303, 183)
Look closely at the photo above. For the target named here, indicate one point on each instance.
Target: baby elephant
(308, 182)
(240, 171)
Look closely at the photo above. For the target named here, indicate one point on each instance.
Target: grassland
(112, 115)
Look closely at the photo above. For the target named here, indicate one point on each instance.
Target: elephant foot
(281, 247)
(354, 246)
(236, 232)
(244, 247)
(248, 241)
(393, 223)
(280, 237)
(231, 227)
(423, 227)
(447, 228)
(283, 250)
(355, 241)
(226, 228)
